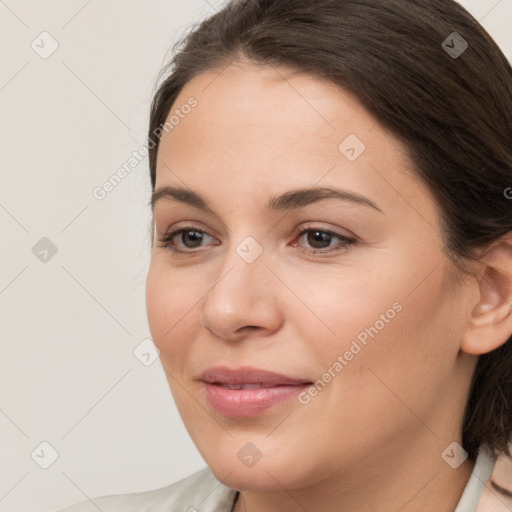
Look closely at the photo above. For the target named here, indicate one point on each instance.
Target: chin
(261, 478)
(267, 474)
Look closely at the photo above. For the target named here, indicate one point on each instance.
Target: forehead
(261, 128)
(262, 98)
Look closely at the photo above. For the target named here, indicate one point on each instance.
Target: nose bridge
(242, 271)
(241, 295)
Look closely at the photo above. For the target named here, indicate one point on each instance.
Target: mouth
(247, 391)
(248, 386)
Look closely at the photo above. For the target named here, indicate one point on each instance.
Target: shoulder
(198, 492)
(482, 471)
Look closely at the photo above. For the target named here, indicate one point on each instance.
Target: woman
(330, 284)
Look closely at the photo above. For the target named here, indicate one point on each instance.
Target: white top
(202, 492)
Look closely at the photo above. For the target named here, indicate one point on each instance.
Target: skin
(498, 491)
(372, 439)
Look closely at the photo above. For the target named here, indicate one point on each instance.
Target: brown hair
(452, 110)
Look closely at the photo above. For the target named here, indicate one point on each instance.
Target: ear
(490, 324)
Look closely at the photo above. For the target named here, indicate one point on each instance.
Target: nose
(243, 301)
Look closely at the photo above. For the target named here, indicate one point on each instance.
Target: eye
(320, 240)
(190, 237)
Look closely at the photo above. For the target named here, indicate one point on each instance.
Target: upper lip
(248, 375)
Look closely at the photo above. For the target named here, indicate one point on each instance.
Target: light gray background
(69, 326)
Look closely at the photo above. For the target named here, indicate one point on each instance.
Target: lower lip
(249, 402)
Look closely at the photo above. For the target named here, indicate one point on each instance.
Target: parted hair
(430, 74)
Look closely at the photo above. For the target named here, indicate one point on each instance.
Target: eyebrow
(291, 200)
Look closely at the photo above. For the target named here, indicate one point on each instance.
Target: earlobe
(490, 323)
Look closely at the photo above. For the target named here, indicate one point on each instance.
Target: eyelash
(167, 242)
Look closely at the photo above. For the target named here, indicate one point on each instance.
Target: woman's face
(260, 284)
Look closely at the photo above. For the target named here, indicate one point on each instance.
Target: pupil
(318, 236)
(196, 237)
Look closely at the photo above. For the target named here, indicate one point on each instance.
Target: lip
(267, 389)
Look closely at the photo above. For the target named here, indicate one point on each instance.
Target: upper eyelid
(160, 210)
(184, 224)
(297, 232)
(308, 226)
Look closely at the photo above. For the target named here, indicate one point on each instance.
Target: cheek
(345, 307)
(170, 311)
(408, 362)
(389, 365)
(397, 324)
